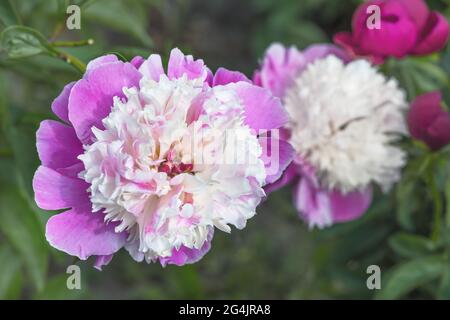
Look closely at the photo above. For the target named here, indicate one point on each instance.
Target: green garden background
(405, 232)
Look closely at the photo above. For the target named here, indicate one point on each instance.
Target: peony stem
(80, 43)
(70, 59)
(437, 204)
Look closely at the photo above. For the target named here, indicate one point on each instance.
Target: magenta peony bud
(428, 122)
(405, 27)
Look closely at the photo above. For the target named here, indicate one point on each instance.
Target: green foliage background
(406, 232)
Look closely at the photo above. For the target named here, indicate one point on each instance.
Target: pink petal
(277, 155)
(321, 208)
(396, 37)
(137, 61)
(434, 36)
(279, 68)
(72, 171)
(81, 233)
(101, 261)
(224, 76)
(424, 110)
(152, 68)
(54, 191)
(98, 62)
(417, 10)
(180, 64)
(186, 255)
(350, 206)
(196, 107)
(60, 104)
(439, 132)
(288, 176)
(313, 204)
(262, 109)
(345, 40)
(319, 51)
(91, 98)
(428, 122)
(57, 144)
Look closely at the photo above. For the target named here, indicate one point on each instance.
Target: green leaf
(407, 203)
(447, 200)
(10, 273)
(23, 143)
(127, 17)
(411, 245)
(7, 13)
(408, 276)
(20, 41)
(429, 76)
(25, 233)
(444, 285)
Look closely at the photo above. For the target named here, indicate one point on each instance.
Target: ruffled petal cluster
(345, 118)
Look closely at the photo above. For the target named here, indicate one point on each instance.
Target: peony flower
(343, 121)
(428, 122)
(407, 27)
(153, 162)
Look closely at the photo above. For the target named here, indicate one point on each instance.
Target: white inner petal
(344, 119)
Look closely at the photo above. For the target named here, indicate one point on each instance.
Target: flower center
(147, 168)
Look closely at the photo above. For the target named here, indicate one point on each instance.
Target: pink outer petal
(322, 208)
(279, 68)
(81, 233)
(60, 104)
(57, 144)
(98, 62)
(224, 76)
(434, 35)
(180, 64)
(101, 261)
(312, 204)
(91, 98)
(262, 109)
(152, 68)
(345, 40)
(428, 122)
(396, 37)
(417, 10)
(277, 155)
(137, 61)
(186, 255)
(54, 191)
(196, 107)
(319, 51)
(439, 132)
(424, 110)
(289, 175)
(350, 206)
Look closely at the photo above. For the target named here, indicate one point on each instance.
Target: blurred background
(275, 256)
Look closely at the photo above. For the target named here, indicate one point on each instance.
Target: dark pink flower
(407, 27)
(428, 122)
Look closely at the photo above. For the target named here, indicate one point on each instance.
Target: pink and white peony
(154, 162)
(344, 119)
